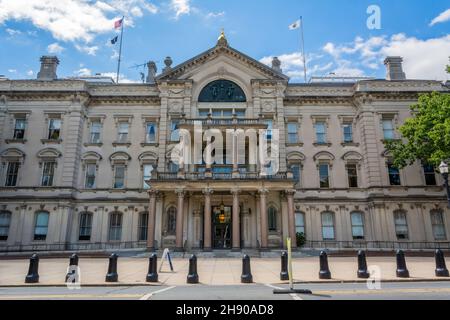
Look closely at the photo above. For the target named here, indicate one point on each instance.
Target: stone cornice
(120, 100)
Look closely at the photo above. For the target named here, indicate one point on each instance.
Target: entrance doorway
(221, 217)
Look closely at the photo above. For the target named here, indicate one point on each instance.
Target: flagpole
(120, 51)
(303, 47)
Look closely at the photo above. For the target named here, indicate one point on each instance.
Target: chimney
(151, 65)
(394, 68)
(49, 64)
(276, 65)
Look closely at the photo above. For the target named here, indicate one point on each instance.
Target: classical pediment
(221, 50)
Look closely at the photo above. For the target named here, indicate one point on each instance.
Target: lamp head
(443, 168)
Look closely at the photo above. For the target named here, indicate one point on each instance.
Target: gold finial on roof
(222, 41)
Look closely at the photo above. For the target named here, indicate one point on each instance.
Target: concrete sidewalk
(218, 271)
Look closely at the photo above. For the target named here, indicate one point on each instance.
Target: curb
(144, 284)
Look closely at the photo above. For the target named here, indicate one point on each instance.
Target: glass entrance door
(221, 227)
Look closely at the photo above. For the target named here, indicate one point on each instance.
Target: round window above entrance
(222, 91)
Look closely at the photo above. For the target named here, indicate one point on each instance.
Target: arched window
(357, 219)
(5, 221)
(272, 215)
(85, 226)
(171, 220)
(328, 226)
(143, 226)
(401, 225)
(300, 223)
(41, 225)
(438, 225)
(115, 226)
(222, 91)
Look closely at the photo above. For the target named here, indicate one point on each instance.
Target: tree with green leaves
(426, 136)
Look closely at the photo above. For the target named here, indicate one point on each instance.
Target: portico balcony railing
(376, 245)
(168, 176)
(221, 122)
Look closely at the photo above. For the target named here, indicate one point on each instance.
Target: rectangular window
(352, 174)
(292, 128)
(269, 133)
(437, 222)
(348, 132)
(296, 171)
(357, 225)
(54, 129)
(203, 113)
(150, 136)
(5, 221)
(91, 170)
(119, 177)
(148, 168)
(327, 226)
(394, 175)
(12, 172)
(401, 225)
(123, 132)
(321, 132)
(240, 113)
(48, 173)
(430, 175)
(143, 226)
(41, 226)
(228, 113)
(174, 132)
(85, 227)
(388, 129)
(115, 227)
(95, 128)
(19, 129)
(300, 223)
(324, 176)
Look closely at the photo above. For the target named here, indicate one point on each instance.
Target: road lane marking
(382, 291)
(149, 295)
(293, 295)
(272, 286)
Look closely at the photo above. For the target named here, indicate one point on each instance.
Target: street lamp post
(443, 169)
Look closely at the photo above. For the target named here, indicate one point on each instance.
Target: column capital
(235, 191)
(180, 192)
(207, 191)
(263, 192)
(152, 192)
(290, 192)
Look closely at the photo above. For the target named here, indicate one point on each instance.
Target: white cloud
(214, 15)
(13, 32)
(73, 20)
(443, 17)
(92, 51)
(55, 48)
(30, 73)
(181, 7)
(122, 78)
(83, 72)
(12, 70)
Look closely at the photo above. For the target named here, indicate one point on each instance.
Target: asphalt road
(348, 291)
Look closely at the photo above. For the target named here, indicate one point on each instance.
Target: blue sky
(337, 38)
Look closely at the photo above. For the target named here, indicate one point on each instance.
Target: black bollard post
(73, 264)
(246, 276)
(152, 275)
(33, 270)
(284, 274)
(441, 268)
(362, 265)
(402, 270)
(112, 275)
(192, 277)
(324, 272)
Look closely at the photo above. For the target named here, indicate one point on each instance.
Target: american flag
(118, 24)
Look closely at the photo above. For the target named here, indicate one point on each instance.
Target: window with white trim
(5, 221)
(300, 223)
(328, 226)
(54, 129)
(401, 225)
(41, 225)
(95, 132)
(357, 219)
(143, 226)
(48, 173)
(85, 226)
(438, 225)
(115, 226)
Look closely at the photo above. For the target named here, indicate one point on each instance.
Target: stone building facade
(76, 155)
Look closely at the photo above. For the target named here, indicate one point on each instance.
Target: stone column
(263, 211)
(291, 217)
(207, 220)
(236, 241)
(180, 217)
(151, 220)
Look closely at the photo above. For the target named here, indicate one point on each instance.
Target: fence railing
(161, 176)
(382, 245)
(224, 122)
(91, 246)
